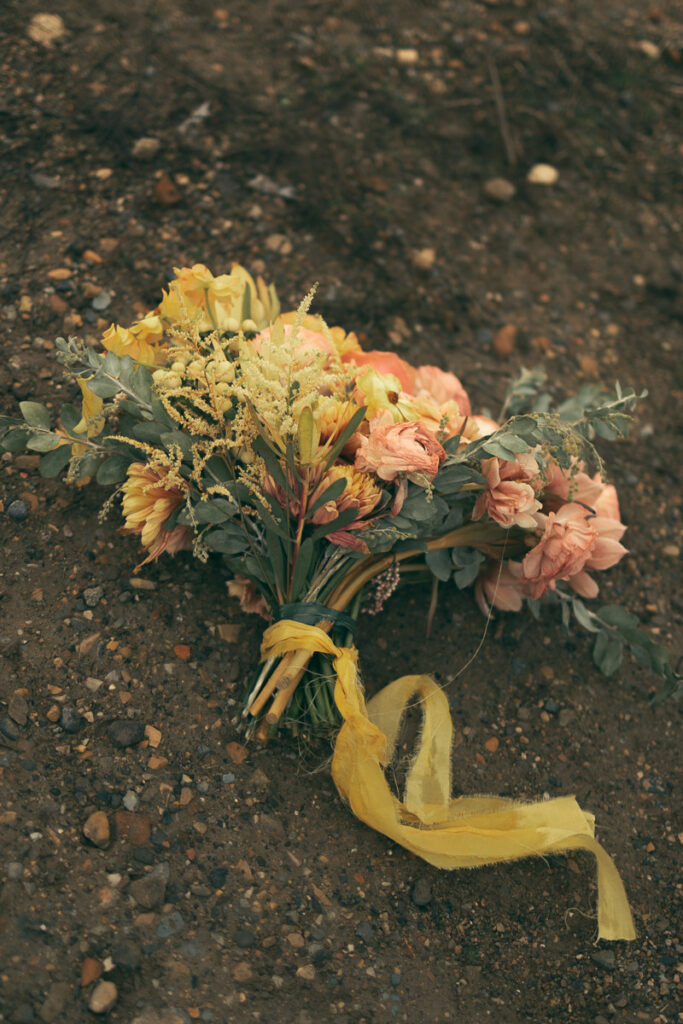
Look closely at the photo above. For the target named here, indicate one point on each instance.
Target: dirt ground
(348, 143)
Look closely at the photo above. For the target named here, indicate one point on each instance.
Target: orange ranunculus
(149, 500)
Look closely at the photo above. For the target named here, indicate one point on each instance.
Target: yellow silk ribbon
(450, 833)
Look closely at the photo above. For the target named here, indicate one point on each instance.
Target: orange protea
(150, 497)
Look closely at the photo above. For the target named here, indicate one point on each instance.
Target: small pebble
(424, 259)
(604, 958)
(421, 893)
(101, 302)
(17, 511)
(146, 148)
(103, 997)
(131, 800)
(46, 29)
(92, 596)
(500, 190)
(70, 720)
(96, 829)
(543, 174)
(505, 340)
(126, 732)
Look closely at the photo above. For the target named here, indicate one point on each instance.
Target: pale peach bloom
(571, 485)
(510, 499)
(394, 448)
(573, 541)
(499, 586)
(248, 596)
(149, 500)
(485, 426)
(442, 387)
(385, 363)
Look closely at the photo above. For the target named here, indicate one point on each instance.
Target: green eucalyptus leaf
(608, 652)
(113, 470)
(35, 414)
(52, 464)
(440, 563)
(43, 442)
(15, 439)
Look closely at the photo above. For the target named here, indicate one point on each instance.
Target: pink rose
(573, 541)
(442, 387)
(510, 499)
(384, 363)
(393, 448)
(500, 587)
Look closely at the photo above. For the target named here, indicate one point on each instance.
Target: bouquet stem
(287, 675)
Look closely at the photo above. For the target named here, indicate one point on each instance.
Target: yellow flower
(139, 341)
(361, 494)
(380, 392)
(218, 303)
(149, 500)
(92, 420)
(332, 416)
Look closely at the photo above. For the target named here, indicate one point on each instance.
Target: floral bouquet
(322, 476)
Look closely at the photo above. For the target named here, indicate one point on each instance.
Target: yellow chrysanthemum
(361, 494)
(149, 500)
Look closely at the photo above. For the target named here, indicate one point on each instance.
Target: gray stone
(131, 800)
(605, 958)
(101, 301)
(15, 870)
(421, 893)
(70, 720)
(127, 954)
(92, 596)
(18, 709)
(9, 728)
(126, 732)
(149, 891)
(55, 1001)
(17, 511)
(170, 925)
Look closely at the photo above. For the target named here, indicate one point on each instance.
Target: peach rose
(573, 541)
(394, 448)
(500, 587)
(385, 363)
(510, 499)
(442, 387)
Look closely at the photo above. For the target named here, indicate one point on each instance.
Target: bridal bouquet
(322, 476)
